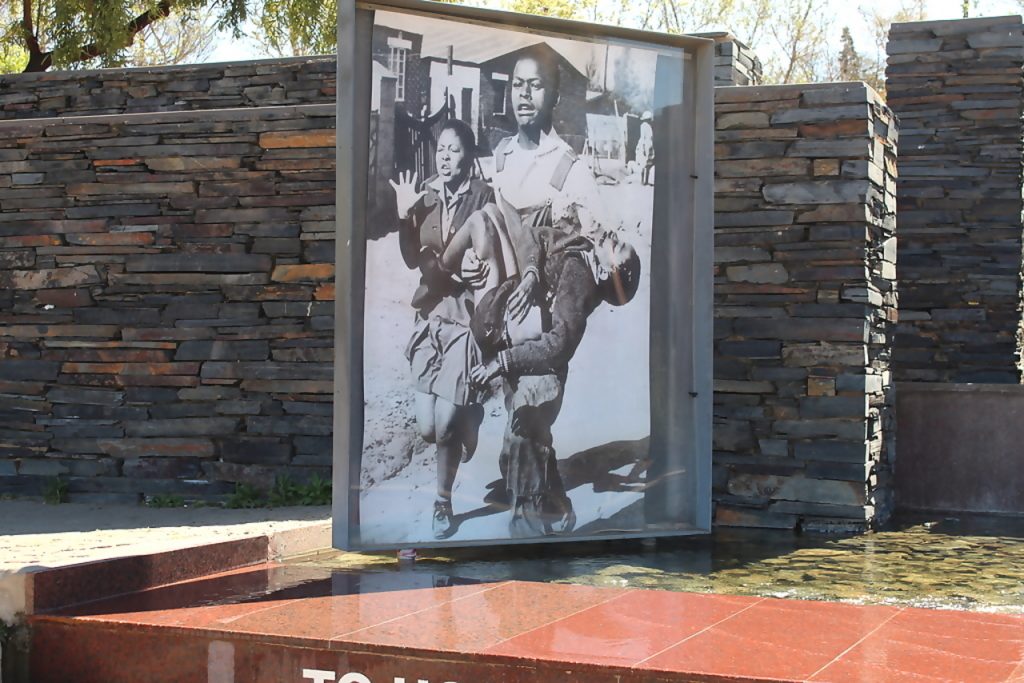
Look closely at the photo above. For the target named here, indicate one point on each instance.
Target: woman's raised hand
(406, 194)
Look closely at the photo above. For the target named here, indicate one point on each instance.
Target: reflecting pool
(967, 563)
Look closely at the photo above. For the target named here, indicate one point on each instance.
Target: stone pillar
(735, 62)
(804, 303)
(957, 89)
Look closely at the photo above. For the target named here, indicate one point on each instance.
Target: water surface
(974, 563)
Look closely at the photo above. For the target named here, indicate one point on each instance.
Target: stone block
(834, 406)
(723, 386)
(750, 517)
(238, 408)
(49, 278)
(821, 386)
(798, 488)
(735, 436)
(199, 263)
(183, 427)
(308, 408)
(751, 348)
(759, 272)
(823, 428)
(746, 119)
(314, 272)
(185, 447)
(289, 425)
(816, 192)
(22, 370)
(858, 147)
(268, 371)
(254, 450)
(828, 329)
(298, 139)
(251, 350)
(161, 468)
(832, 450)
(989, 39)
(899, 47)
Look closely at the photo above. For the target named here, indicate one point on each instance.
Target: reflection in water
(971, 564)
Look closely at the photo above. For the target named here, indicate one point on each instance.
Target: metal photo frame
(678, 500)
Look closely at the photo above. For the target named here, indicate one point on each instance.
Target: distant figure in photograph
(434, 234)
(645, 148)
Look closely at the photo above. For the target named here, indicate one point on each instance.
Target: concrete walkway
(35, 536)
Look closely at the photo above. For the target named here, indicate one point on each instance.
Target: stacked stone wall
(804, 305)
(166, 301)
(958, 91)
(166, 319)
(273, 82)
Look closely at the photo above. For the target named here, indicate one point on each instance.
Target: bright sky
(846, 13)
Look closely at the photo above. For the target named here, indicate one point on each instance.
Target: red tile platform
(277, 624)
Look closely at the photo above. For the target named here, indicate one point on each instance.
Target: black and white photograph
(507, 311)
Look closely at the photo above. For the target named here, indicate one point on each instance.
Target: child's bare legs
(470, 417)
(449, 455)
(424, 406)
(478, 234)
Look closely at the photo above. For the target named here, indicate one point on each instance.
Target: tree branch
(41, 61)
(92, 50)
(35, 53)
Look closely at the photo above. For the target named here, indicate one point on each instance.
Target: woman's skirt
(441, 354)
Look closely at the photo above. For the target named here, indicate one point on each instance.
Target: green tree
(178, 39)
(13, 56)
(563, 9)
(297, 27)
(286, 28)
(851, 64)
(76, 33)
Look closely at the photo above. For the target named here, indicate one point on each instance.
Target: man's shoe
(565, 522)
(443, 519)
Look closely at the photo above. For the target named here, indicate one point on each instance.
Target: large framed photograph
(524, 269)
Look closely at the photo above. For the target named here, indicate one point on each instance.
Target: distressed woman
(435, 234)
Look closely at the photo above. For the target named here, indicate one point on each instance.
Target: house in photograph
(400, 53)
(466, 74)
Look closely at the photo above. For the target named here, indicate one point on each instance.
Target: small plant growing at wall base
(286, 492)
(55, 491)
(165, 501)
(245, 496)
(317, 491)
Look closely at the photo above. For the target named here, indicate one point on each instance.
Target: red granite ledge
(51, 589)
(106, 653)
(516, 632)
(220, 621)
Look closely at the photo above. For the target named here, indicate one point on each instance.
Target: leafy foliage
(75, 33)
(245, 497)
(162, 501)
(298, 27)
(286, 492)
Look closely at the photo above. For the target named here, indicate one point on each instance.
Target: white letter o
(354, 678)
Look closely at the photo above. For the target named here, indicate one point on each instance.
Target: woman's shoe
(443, 519)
